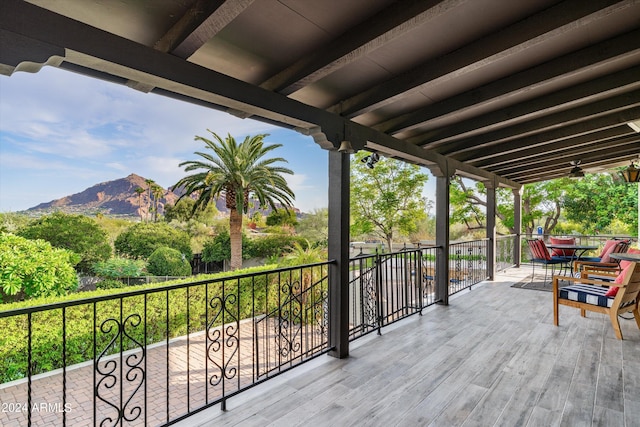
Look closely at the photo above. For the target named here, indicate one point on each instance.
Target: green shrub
(110, 284)
(116, 268)
(78, 233)
(32, 268)
(253, 296)
(282, 217)
(272, 246)
(168, 262)
(140, 240)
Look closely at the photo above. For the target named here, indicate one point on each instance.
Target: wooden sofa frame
(628, 291)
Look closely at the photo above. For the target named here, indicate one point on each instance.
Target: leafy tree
(467, 203)
(168, 262)
(12, 222)
(219, 248)
(314, 226)
(78, 233)
(541, 205)
(597, 200)
(33, 268)
(183, 211)
(238, 171)
(282, 217)
(140, 240)
(387, 198)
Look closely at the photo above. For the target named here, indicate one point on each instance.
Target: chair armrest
(591, 270)
(579, 280)
(579, 265)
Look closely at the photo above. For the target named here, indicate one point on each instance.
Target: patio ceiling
(513, 88)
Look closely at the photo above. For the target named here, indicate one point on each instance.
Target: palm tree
(236, 171)
(139, 192)
(158, 192)
(149, 182)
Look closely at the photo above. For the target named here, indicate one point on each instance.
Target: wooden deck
(492, 357)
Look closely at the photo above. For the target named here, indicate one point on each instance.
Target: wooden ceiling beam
(601, 149)
(386, 25)
(553, 171)
(209, 19)
(617, 109)
(520, 36)
(532, 153)
(551, 104)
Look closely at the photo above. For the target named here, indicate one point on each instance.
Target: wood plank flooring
(491, 358)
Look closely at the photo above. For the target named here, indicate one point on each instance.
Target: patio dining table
(577, 251)
(626, 257)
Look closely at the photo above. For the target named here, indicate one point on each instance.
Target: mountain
(116, 197)
(119, 198)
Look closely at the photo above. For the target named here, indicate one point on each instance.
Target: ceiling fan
(576, 171)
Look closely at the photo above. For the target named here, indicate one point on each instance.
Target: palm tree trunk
(235, 236)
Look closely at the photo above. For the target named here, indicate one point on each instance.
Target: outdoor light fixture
(345, 147)
(576, 171)
(371, 160)
(632, 173)
(635, 125)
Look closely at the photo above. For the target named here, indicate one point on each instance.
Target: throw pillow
(624, 264)
(562, 241)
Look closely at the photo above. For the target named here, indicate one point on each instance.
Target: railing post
(378, 285)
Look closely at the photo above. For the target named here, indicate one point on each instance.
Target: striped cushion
(590, 294)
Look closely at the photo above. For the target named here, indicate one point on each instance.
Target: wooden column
(443, 180)
(517, 225)
(491, 228)
(339, 194)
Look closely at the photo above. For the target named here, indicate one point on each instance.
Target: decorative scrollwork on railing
(221, 340)
(369, 297)
(321, 314)
(133, 374)
(288, 328)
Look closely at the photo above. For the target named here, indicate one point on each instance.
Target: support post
(442, 233)
(491, 228)
(339, 193)
(517, 225)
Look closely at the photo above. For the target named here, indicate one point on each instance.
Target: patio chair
(540, 255)
(611, 298)
(604, 260)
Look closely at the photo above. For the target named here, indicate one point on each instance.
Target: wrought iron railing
(155, 356)
(384, 288)
(505, 251)
(467, 264)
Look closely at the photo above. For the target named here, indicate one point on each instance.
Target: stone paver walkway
(178, 378)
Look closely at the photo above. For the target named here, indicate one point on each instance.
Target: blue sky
(62, 132)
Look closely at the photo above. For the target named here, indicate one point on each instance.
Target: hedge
(47, 325)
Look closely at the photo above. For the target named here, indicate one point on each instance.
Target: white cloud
(61, 133)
